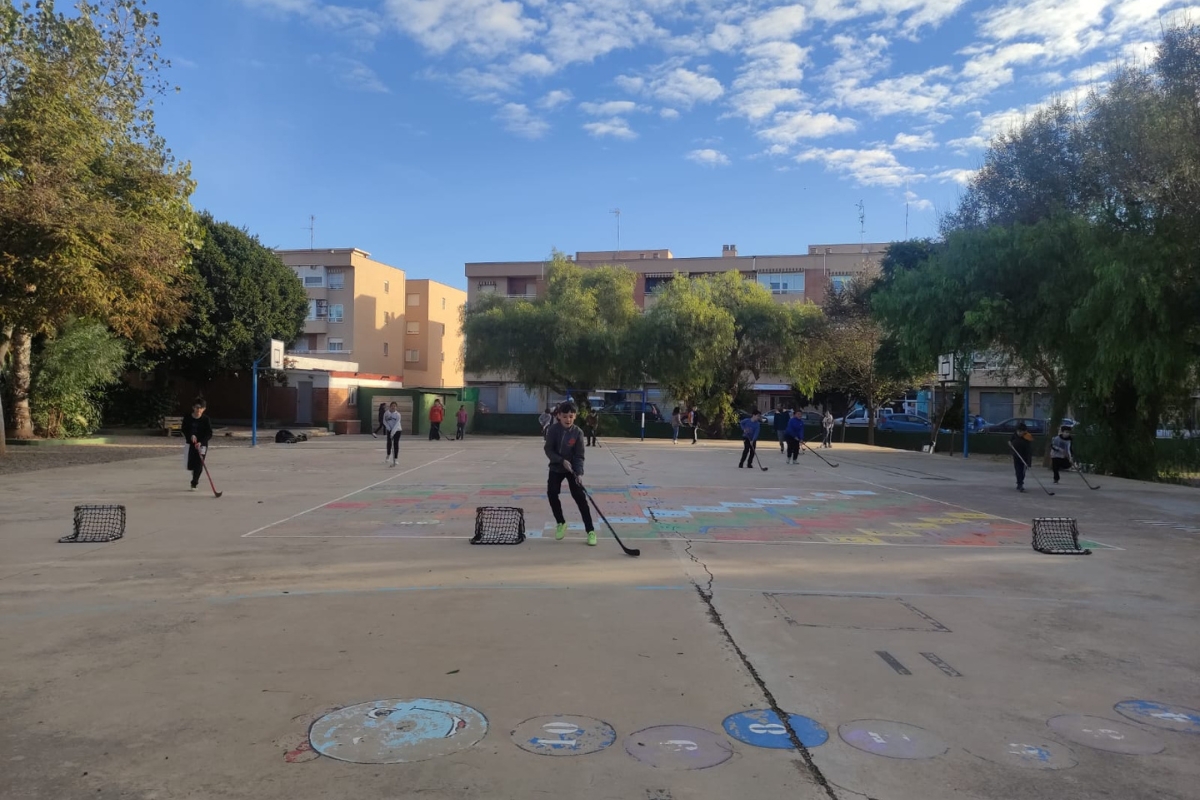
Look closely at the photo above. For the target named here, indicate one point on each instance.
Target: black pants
(747, 452)
(380, 427)
(393, 444)
(793, 447)
(1059, 464)
(590, 440)
(435, 430)
(1019, 468)
(460, 430)
(195, 462)
(554, 486)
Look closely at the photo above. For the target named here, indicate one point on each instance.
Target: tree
(577, 336)
(244, 297)
(708, 340)
(856, 357)
(72, 366)
(94, 213)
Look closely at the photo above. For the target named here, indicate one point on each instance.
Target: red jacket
(437, 413)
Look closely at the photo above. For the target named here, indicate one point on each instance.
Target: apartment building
(794, 278)
(433, 340)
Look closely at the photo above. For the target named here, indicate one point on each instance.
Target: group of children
(1061, 455)
(789, 428)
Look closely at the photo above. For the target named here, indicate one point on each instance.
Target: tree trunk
(870, 421)
(22, 371)
(4, 348)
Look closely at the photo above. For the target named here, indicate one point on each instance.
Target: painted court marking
(351, 494)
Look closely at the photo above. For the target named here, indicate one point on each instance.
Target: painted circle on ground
(678, 747)
(563, 735)
(397, 731)
(1029, 753)
(1160, 715)
(1106, 734)
(762, 727)
(890, 739)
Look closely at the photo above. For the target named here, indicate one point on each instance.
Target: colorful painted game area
(323, 622)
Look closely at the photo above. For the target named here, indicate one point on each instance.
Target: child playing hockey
(392, 428)
(750, 428)
(795, 436)
(197, 430)
(1061, 456)
(1021, 443)
(564, 448)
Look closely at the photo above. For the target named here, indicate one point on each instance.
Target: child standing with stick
(392, 427)
(564, 448)
(196, 430)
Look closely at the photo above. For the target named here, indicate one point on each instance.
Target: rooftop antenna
(617, 213)
(862, 225)
(312, 230)
(906, 198)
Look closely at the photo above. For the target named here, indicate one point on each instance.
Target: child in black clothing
(591, 426)
(564, 448)
(197, 430)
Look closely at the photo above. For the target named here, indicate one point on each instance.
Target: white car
(859, 417)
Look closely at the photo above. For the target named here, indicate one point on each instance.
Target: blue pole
(254, 406)
(967, 406)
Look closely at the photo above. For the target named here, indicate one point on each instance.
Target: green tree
(94, 213)
(72, 366)
(245, 296)
(707, 340)
(576, 336)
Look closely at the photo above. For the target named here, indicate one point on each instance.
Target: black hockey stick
(1029, 470)
(629, 551)
(200, 453)
(753, 453)
(805, 446)
(1085, 480)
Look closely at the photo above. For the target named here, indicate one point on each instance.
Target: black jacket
(564, 444)
(200, 428)
(1023, 446)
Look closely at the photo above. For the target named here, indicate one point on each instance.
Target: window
(312, 310)
(414, 299)
(322, 309)
(387, 287)
(412, 355)
(443, 304)
(385, 348)
(782, 282)
(657, 283)
(311, 281)
(414, 327)
(335, 312)
(443, 356)
(840, 281)
(334, 345)
(337, 280)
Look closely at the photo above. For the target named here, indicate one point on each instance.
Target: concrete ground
(221, 648)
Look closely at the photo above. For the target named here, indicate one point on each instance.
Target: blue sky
(435, 132)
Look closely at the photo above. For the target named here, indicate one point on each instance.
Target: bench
(172, 425)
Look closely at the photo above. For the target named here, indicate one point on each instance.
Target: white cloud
(1066, 27)
(917, 202)
(758, 104)
(989, 127)
(555, 98)
(781, 23)
(484, 27)
(772, 63)
(725, 38)
(584, 31)
(708, 157)
(351, 73)
(678, 87)
(913, 142)
(791, 126)
(909, 15)
(517, 118)
(873, 167)
(615, 127)
(960, 176)
(669, 113)
(858, 59)
(357, 21)
(612, 108)
(924, 95)
(989, 70)
(534, 64)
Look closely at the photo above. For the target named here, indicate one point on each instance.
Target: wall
(439, 332)
(378, 317)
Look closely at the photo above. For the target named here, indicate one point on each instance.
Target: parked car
(907, 423)
(812, 420)
(1035, 426)
(633, 408)
(859, 417)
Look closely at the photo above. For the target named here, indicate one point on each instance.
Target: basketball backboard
(276, 354)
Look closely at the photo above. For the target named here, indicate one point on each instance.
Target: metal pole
(643, 415)
(967, 406)
(254, 408)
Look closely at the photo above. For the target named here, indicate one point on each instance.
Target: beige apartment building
(795, 278)
(433, 340)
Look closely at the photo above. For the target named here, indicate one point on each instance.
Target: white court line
(351, 494)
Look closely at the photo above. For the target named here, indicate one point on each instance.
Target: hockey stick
(206, 472)
(753, 453)
(1085, 480)
(1029, 470)
(805, 446)
(629, 551)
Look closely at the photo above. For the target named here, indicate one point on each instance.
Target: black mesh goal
(97, 524)
(1057, 536)
(499, 525)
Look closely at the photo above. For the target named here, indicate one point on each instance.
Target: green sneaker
(560, 531)
(591, 538)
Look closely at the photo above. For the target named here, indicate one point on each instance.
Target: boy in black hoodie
(564, 448)
(1021, 443)
(197, 430)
